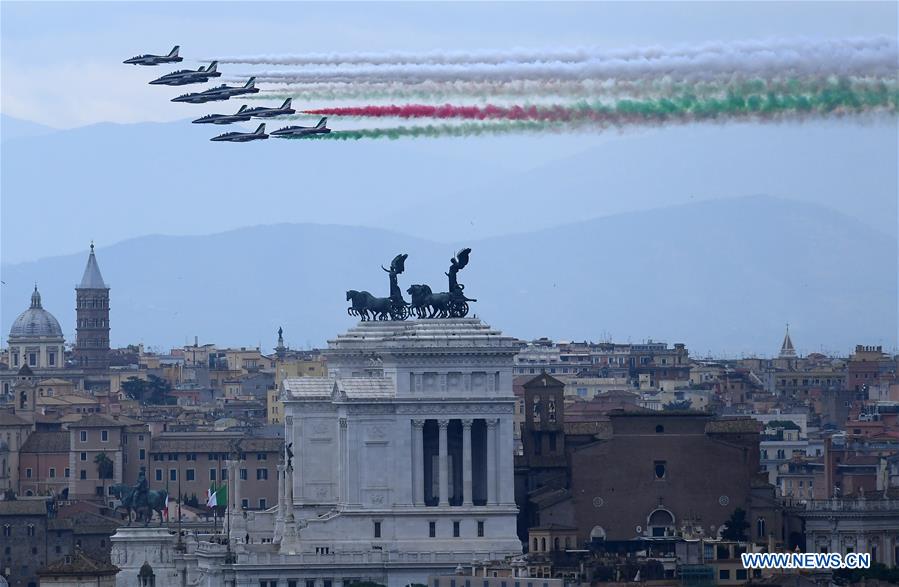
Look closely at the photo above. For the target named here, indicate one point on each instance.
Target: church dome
(35, 322)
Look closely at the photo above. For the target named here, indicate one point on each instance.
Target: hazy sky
(61, 62)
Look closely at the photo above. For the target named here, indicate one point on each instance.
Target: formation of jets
(223, 92)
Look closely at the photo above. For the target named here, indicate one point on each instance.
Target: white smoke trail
(563, 55)
(832, 58)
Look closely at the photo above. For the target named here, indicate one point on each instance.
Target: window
(760, 528)
(67, 473)
(28, 472)
(83, 456)
(191, 474)
(212, 474)
(660, 469)
(7, 530)
(243, 474)
(724, 574)
(310, 582)
(142, 454)
(432, 529)
(660, 429)
(173, 474)
(52, 359)
(261, 456)
(104, 436)
(480, 528)
(262, 503)
(32, 360)
(83, 474)
(456, 528)
(741, 575)
(159, 474)
(31, 529)
(83, 436)
(245, 503)
(52, 472)
(377, 529)
(261, 474)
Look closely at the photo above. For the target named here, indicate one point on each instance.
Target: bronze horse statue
(155, 502)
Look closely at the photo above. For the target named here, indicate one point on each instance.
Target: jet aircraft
(241, 116)
(221, 92)
(301, 131)
(262, 112)
(172, 57)
(184, 77)
(242, 137)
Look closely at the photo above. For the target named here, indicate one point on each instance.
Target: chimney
(196, 340)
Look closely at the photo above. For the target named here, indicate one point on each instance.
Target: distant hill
(15, 128)
(111, 182)
(721, 276)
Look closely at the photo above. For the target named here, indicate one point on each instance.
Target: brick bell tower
(92, 313)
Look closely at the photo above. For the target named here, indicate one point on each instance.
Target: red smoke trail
(488, 112)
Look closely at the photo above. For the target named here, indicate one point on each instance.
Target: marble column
(466, 463)
(491, 462)
(343, 463)
(418, 462)
(444, 465)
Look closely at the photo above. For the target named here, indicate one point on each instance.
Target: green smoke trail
(467, 129)
(587, 89)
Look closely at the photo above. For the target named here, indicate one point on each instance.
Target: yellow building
(286, 366)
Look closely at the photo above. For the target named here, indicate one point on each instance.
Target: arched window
(661, 523)
(543, 544)
(556, 543)
(760, 527)
(535, 545)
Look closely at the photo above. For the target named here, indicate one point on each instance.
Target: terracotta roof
(98, 421)
(47, 442)
(10, 419)
(23, 507)
(213, 442)
(77, 564)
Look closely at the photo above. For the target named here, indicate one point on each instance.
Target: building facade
(92, 318)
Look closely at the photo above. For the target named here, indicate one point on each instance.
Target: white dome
(35, 322)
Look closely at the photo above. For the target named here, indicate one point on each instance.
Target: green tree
(135, 388)
(105, 469)
(683, 404)
(735, 527)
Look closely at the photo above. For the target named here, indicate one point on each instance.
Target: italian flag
(216, 496)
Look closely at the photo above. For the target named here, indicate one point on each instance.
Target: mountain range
(722, 276)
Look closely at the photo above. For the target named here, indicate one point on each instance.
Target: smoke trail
(562, 55)
(587, 89)
(837, 96)
(815, 59)
(441, 130)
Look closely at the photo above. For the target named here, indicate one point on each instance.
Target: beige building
(124, 441)
(190, 462)
(289, 367)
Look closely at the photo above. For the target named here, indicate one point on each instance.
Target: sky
(61, 66)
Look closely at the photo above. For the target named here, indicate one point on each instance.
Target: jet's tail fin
(242, 108)
(251, 82)
(322, 122)
(174, 52)
(286, 103)
(260, 130)
(212, 66)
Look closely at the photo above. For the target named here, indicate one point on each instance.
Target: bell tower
(92, 313)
